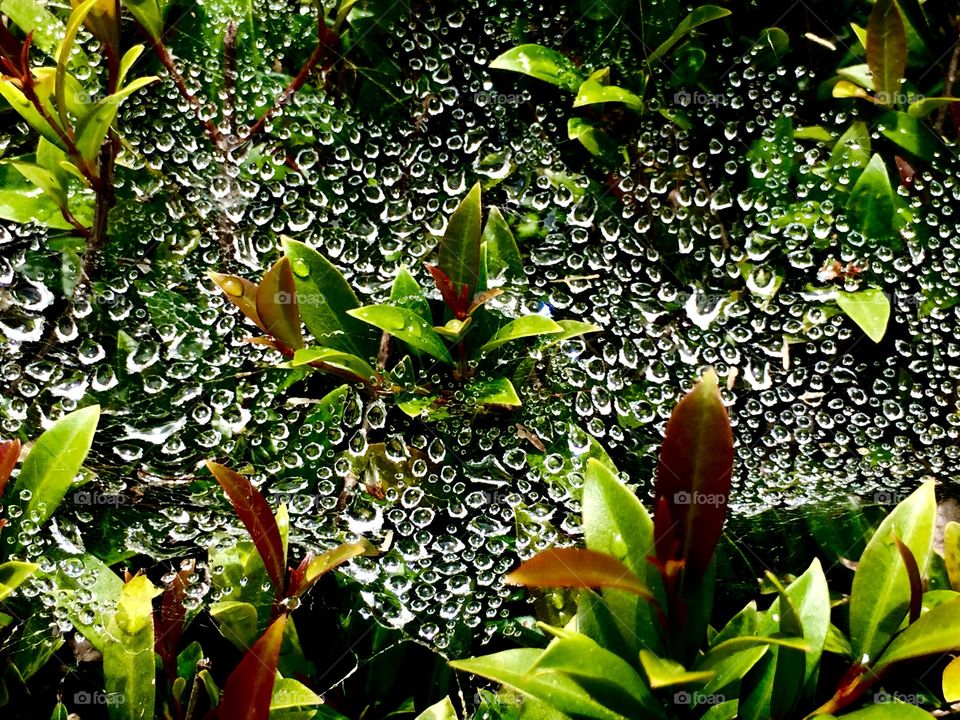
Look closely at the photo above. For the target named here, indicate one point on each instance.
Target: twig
(86, 232)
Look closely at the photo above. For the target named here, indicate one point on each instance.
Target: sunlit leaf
(910, 133)
(886, 50)
(55, 459)
(541, 63)
(868, 308)
(577, 568)
(93, 127)
(663, 672)
(407, 293)
(249, 688)
(951, 681)
(692, 484)
(240, 292)
(149, 13)
(327, 561)
(493, 391)
(277, 305)
(290, 695)
(846, 89)
(592, 92)
(936, 632)
(526, 326)
(74, 22)
(33, 16)
(701, 15)
(128, 662)
(257, 517)
(922, 107)
(502, 256)
(13, 574)
(335, 359)
(880, 595)
(45, 180)
(871, 202)
(442, 710)
(951, 553)
(9, 454)
(405, 325)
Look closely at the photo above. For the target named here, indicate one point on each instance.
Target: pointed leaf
(149, 14)
(128, 60)
(541, 63)
(13, 574)
(45, 180)
(335, 359)
(886, 50)
(18, 101)
(703, 14)
(257, 517)
(692, 484)
(888, 711)
(951, 553)
(936, 632)
(325, 297)
(93, 127)
(916, 583)
(503, 261)
(327, 561)
(871, 202)
(74, 22)
(9, 454)
(869, 309)
(577, 568)
(407, 293)
(495, 391)
(128, 660)
(880, 595)
(526, 326)
(240, 292)
(910, 133)
(460, 246)
(277, 305)
(249, 688)
(405, 325)
(662, 672)
(951, 681)
(442, 710)
(592, 92)
(56, 458)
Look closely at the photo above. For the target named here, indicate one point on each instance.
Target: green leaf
(237, 621)
(327, 561)
(871, 203)
(810, 596)
(852, 150)
(60, 712)
(595, 140)
(951, 681)
(405, 325)
(407, 293)
(701, 15)
(888, 711)
(951, 553)
(592, 92)
(460, 245)
(578, 568)
(33, 16)
(541, 63)
(886, 50)
(325, 298)
(571, 329)
(616, 523)
(868, 308)
(290, 694)
(910, 133)
(512, 668)
(74, 23)
(13, 574)
(526, 326)
(663, 672)
(924, 106)
(93, 127)
(335, 359)
(495, 391)
(937, 631)
(45, 180)
(28, 112)
(880, 595)
(503, 261)
(128, 60)
(128, 658)
(442, 710)
(149, 13)
(23, 202)
(54, 461)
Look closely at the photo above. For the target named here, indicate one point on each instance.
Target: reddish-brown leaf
(277, 304)
(9, 452)
(168, 624)
(907, 173)
(455, 300)
(693, 478)
(257, 517)
(241, 293)
(913, 574)
(249, 688)
(578, 568)
(313, 568)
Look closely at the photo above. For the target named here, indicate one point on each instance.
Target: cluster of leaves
(461, 334)
(643, 645)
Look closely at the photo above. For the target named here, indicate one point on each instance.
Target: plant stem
(949, 81)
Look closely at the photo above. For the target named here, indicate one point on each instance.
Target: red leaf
(169, 621)
(257, 517)
(579, 568)
(906, 170)
(9, 452)
(913, 573)
(248, 690)
(277, 304)
(454, 300)
(692, 485)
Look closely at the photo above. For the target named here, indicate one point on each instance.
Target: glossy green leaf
(333, 558)
(495, 391)
(512, 668)
(592, 92)
(951, 553)
(237, 621)
(74, 23)
(846, 89)
(693, 478)
(13, 574)
(852, 150)
(405, 325)
(701, 15)
(249, 688)
(60, 712)
(442, 710)
(727, 648)
(407, 293)
(56, 458)
(149, 13)
(23, 202)
(526, 326)
(663, 672)
(616, 523)
(503, 262)
(910, 133)
(936, 632)
(460, 246)
(45, 180)
(325, 298)
(128, 660)
(241, 292)
(541, 63)
(578, 568)
(289, 695)
(33, 16)
(880, 595)
(18, 101)
(93, 127)
(335, 359)
(886, 50)
(596, 141)
(128, 60)
(950, 684)
(868, 308)
(924, 106)
(871, 202)
(888, 711)
(570, 330)
(277, 305)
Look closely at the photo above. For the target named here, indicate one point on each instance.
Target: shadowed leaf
(577, 568)
(886, 50)
(249, 688)
(257, 517)
(913, 573)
